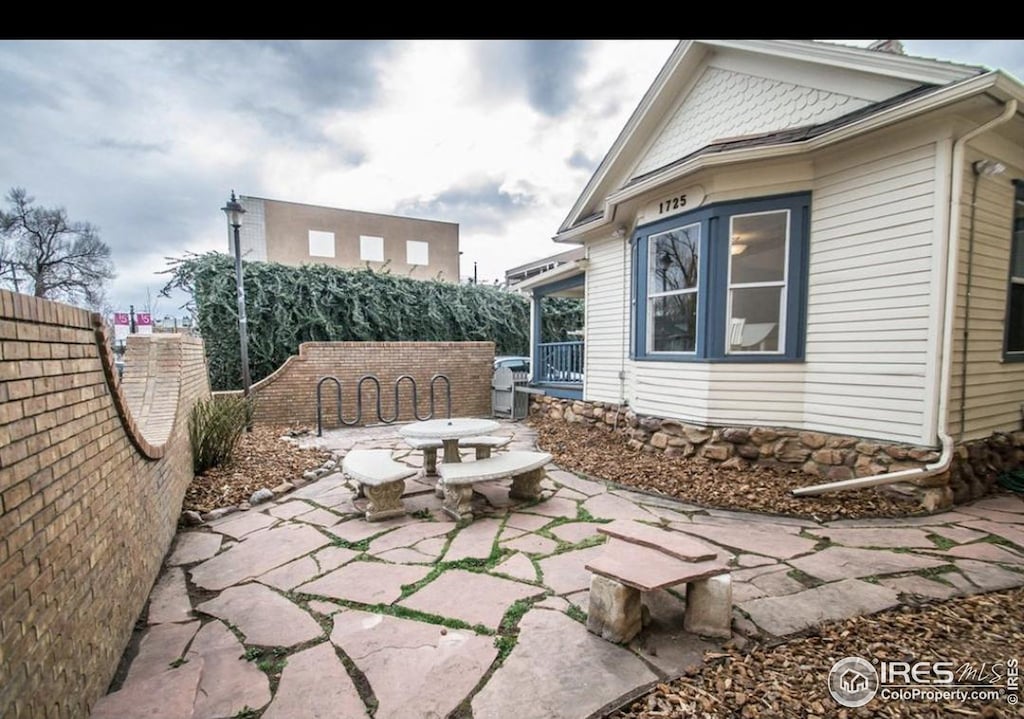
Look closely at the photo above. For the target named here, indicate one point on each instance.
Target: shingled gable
(714, 96)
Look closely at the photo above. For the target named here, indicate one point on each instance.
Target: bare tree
(44, 253)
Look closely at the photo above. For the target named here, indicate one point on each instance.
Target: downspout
(952, 264)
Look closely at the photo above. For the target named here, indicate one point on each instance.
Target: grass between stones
(940, 542)
(574, 612)
(935, 573)
(804, 578)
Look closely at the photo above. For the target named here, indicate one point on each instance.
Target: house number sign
(687, 199)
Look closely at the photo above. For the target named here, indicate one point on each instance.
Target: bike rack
(379, 408)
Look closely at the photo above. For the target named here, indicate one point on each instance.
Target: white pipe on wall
(945, 377)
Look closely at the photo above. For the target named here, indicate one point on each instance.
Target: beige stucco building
(293, 233)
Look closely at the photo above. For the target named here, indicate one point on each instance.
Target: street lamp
(234, 210)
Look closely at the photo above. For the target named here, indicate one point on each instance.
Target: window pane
(1015, 320)
(321, 244)
(1017, 264)
(371, 248)
(417, 253)
(673, 260)
(674, 323)
(757, 247)
(754, 325)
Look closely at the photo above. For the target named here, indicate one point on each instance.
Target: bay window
(726, 282)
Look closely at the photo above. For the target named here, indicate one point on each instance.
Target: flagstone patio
(300, 608)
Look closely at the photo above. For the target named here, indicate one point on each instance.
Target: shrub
(214, 428)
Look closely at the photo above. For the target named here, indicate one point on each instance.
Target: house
(811, 254)
(293, 234)
(531, 269)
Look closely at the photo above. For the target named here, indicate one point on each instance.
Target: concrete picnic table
(449, 431)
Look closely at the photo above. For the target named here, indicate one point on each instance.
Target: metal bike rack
(379, 408)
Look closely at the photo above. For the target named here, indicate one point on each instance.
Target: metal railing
(379, 408)
(559, 362)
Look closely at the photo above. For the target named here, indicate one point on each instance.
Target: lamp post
(234, 210)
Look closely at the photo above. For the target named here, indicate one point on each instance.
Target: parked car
(516, 364)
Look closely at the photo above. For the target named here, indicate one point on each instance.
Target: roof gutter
(952, 267)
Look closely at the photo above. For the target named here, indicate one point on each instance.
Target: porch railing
(559, 362)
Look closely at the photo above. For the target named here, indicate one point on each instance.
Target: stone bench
(640, 558)
(483, 446)
(457, 478)
(381, 478)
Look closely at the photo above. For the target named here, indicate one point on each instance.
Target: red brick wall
(91, 484)
(288, 396)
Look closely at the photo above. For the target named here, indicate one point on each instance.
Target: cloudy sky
(146, 139)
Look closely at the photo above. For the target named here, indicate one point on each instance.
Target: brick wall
(91, 483)
(288, 396)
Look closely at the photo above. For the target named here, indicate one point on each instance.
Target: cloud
(483, 205)
(581, 161)
(545, 71)
(132, 147)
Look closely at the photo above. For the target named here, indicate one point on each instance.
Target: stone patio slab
(1011, 532)
(987, 552)
(319, 605)
(993, 514)
(191, 547)
(958, 534)
(554, 507)
(410, 535)
(334, 482)
(287, 510)
(491, 597)
(228, 683)
(751, 538)
(315, 685)
(836, 563)
(794, 612)
(576, 532)
(239, 524)
(320, 518)
(566, 572)
(777, 584)
(167, 695)
(159, 646)
(474, 541)
(405, 555)
(611, 506)
(169, 602)
(496, 493)
(1001, 503)
(673, 544)
(330, 558)
(582, 672)
(431, 547)
(919, 585)
(415, 669)
(989, 577)
(588, 487)
(876, 537)
(288, 576)
(921, 521)
(366, 582)
(742, 591)
(753, 560)
(263, 616)
(519, 567)
(527, 522)
(257, 555)
(357, 529)
(532, 544)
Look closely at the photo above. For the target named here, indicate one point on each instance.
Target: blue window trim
(712, 289)
(1018, 196)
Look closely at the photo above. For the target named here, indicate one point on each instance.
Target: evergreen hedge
(286, 306)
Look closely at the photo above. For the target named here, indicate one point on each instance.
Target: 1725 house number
(672, 204)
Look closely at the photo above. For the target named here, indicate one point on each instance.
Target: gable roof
(907, 78)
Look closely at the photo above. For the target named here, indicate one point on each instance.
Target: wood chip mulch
(789, 680)
(262, 459)
(602, 453)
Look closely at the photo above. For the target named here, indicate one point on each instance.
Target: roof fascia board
(907, 67)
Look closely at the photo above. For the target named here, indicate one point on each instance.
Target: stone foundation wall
(973, 472)
(92, 474)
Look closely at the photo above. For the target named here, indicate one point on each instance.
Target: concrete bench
(483, 446)
(381, 478)
(640, 558)
(457, 478)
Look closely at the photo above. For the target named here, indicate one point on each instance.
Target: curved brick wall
(92, 474)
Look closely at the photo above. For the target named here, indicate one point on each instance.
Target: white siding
(873, 229)
(995, 389)
(607, 320)
(869, 296)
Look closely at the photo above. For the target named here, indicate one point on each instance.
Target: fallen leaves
(604, 454)
(262, 459)
(789, 679)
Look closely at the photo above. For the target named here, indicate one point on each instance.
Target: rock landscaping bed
(789, 679)
(604, 454)
(262, 461)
